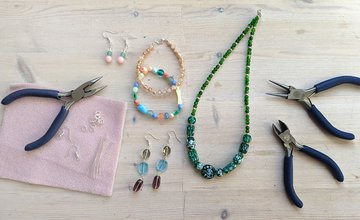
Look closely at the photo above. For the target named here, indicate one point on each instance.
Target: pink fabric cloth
(55, 164)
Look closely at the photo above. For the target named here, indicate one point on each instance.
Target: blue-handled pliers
(303, 96)
(70, 98)
(290, 143)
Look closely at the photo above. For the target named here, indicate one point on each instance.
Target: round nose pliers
(303, 96)
(70, 98)
(289, 142)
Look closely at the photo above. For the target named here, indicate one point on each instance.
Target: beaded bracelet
(153, 114)
(139, 68)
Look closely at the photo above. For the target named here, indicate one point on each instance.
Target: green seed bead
(134, 95)
(193, 156)
(247, 80)
(248, 60)
(247, 89)
(193, 112)
(247, 119)
(206, 83)
(176, 112)
(250, 42)
(247, 129)
(191, 120)
(247, 109)
(238, 39)
(233, 46)
(221, 60)
(200, 93)
(247, 70)
(255, 21)
(252, 32)
(246, 99)
(228, 52)
(246, 30)
(249, 51)
(243, 148)
(209, 77)
(247, 138)
(203, 87)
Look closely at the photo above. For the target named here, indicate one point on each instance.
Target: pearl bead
(120, 60)
(108, 59)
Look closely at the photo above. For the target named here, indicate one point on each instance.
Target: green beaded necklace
(208, 171)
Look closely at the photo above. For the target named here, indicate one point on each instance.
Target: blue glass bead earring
(143, 166)
(108, 57)
(162, 164)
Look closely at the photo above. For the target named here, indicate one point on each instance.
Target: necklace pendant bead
(194, 158)
(208, 171)
(190, 130)
(243, 148)
(190, 142)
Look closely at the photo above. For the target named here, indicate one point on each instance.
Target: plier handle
(69, 97)
(303, 96)
(289, 142)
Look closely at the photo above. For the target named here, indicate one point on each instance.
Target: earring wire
(108, 38)
(147, 140)
(172, 131)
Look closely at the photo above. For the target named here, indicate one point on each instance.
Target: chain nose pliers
(289, 142)
(303, 96)
(69, 97)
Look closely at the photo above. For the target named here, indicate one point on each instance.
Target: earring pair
(109, 53)
(160, 166)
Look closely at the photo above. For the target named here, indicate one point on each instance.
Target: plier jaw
(289, 142)
(80, 92)
(300, 95)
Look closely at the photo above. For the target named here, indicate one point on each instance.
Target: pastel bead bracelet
(151, 113)
(139, 68)
(159, 72)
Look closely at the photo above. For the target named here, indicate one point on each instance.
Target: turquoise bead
(161, 165)
(123, 54)
(160, 72)
(142, 109)
(154, 70)
(143, 168)
(247, 138)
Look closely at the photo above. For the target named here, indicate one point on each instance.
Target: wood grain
(297, 42)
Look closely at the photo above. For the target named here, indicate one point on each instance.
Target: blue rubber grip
(288, 181)
(30, 92)
(328, 126)
(334, 168)
(336, 81)
(54, 127)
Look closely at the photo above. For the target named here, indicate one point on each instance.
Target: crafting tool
(70, 98)
(290, 143)
(303, 96)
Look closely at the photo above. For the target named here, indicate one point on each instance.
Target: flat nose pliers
(303, 96)
(289, 142)
(69, 97)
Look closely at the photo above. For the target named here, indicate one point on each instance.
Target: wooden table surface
(297, 42)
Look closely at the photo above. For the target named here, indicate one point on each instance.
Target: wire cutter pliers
(290, 143)
(70, 98)
(303, 96)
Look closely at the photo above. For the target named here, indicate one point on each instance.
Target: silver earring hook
(110, 42)
(172, 131)
(147, 140)
(127, 44)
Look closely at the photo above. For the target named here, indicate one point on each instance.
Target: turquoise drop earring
(143, 166)
(162, 164)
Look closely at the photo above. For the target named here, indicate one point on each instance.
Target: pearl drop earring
(108, 57)
(122, 56)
